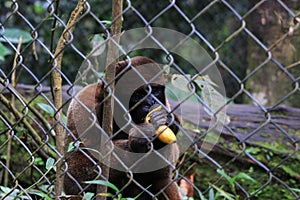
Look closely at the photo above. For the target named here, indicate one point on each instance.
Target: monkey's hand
(157, 116)
(141, 137)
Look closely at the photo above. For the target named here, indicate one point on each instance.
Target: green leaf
(223, 193)
(38, 161)
(38, 8)
(98, 45)
(4, 51)
(73, 145)
(242, 175)
(5, 189)
(253, 150)
(221, 172)
(200, 195)
(166, 69)
(40, 193)
(105, 183)
(108, 22)
(228, 178)
(211, 194)
(14, 34)
(88, 196)
(296, 190)
(45, 107)
(64, 119)
(50, 163)
(214, 99)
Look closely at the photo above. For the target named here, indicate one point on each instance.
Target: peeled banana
(165, 134)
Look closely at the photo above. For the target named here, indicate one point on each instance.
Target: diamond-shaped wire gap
(204, 169)
(28, 113)
(244, 118)
(286, 169)
(276, 189)
(170, 13)
(259, 61)
(135, 19)
(8, 10)
(86, 128)
(230, 158)
(238, 162)
(183, 169)
(232, 71)
(291, 190)
(222, 23)
(248, 119)
(233, 168)
(151, 11)
(15, 186)
(37, 122)
(266, 151)
(294, 69)
(26, 54)
(234, 152)
(241, 7)
(272, 139)
(268, 88)
(89, 161)
(290, 7)
(23, 159)
(194, 9)
(268, 21)
(289, 84)
(255, 63)
(287, 124)
(261, 166)
(286, 147)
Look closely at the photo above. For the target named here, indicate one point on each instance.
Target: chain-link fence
(205, 107)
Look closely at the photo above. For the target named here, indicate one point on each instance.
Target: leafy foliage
(117, 195)
(12, 35)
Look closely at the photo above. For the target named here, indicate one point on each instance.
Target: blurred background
(255, 45)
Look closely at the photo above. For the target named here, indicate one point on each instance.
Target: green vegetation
(27, 138)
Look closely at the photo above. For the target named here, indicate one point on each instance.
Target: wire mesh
(253, 44)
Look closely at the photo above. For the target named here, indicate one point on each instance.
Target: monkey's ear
(99, 93)
(99, 97)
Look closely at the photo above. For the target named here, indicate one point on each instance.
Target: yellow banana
(165, 134)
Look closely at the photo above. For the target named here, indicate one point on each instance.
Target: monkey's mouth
(163, 132)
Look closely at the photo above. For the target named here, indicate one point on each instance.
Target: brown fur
(82, 165)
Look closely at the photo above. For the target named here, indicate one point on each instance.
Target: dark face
(143, 98)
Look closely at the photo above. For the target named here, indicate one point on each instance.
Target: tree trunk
(273, 26)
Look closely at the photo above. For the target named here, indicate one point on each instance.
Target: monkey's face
(143, 99)
(142, 102)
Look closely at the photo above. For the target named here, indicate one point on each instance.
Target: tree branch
(57, 90)
(108, 107)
